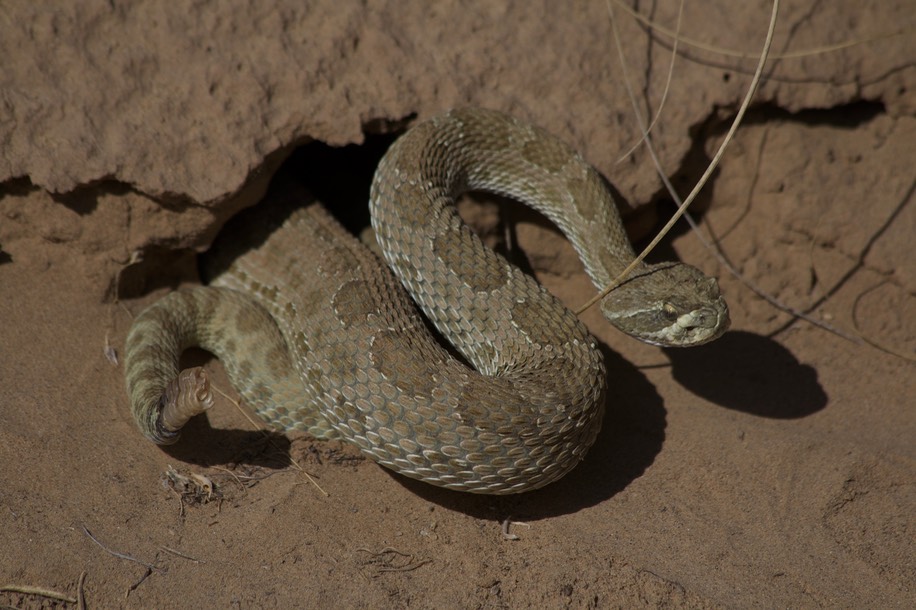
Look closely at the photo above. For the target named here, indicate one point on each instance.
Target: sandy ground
(775, 467)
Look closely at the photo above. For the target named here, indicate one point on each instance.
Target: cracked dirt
(775, 467)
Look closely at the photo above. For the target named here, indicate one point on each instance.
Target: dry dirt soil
(775, 467)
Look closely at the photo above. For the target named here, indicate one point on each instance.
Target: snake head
(668, 304)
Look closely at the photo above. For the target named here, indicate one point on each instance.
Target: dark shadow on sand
(749, 373)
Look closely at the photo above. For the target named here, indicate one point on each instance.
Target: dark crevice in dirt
(17, 187)
(846, 116)
(692, 166)
(158, 268)
(337, 176)
(340, 177)
(697, 159)
(383, 126)
(84, 199)
(255, 185)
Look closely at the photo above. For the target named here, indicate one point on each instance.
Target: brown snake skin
(318, 334)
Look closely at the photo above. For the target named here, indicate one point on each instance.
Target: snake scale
(317, 334)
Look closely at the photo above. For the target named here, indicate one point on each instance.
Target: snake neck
(488, 151)
(466, 289)
(424, 173)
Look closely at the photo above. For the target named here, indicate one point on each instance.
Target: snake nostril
(708, 318)
(669, 311)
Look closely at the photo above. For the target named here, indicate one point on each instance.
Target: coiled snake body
(317, 334)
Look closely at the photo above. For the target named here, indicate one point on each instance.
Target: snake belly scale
(317, 334)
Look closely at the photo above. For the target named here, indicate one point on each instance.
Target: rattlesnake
(317, 334)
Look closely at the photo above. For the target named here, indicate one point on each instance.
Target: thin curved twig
(661, 104)
(698, 44)
(752, 89)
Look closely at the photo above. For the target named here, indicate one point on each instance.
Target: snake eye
(669, 311)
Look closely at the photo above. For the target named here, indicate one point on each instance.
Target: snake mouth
(700, 325)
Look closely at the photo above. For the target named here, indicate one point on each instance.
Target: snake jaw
(690, 329)
(699, 326)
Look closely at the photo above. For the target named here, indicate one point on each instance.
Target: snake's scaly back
(317, 334)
